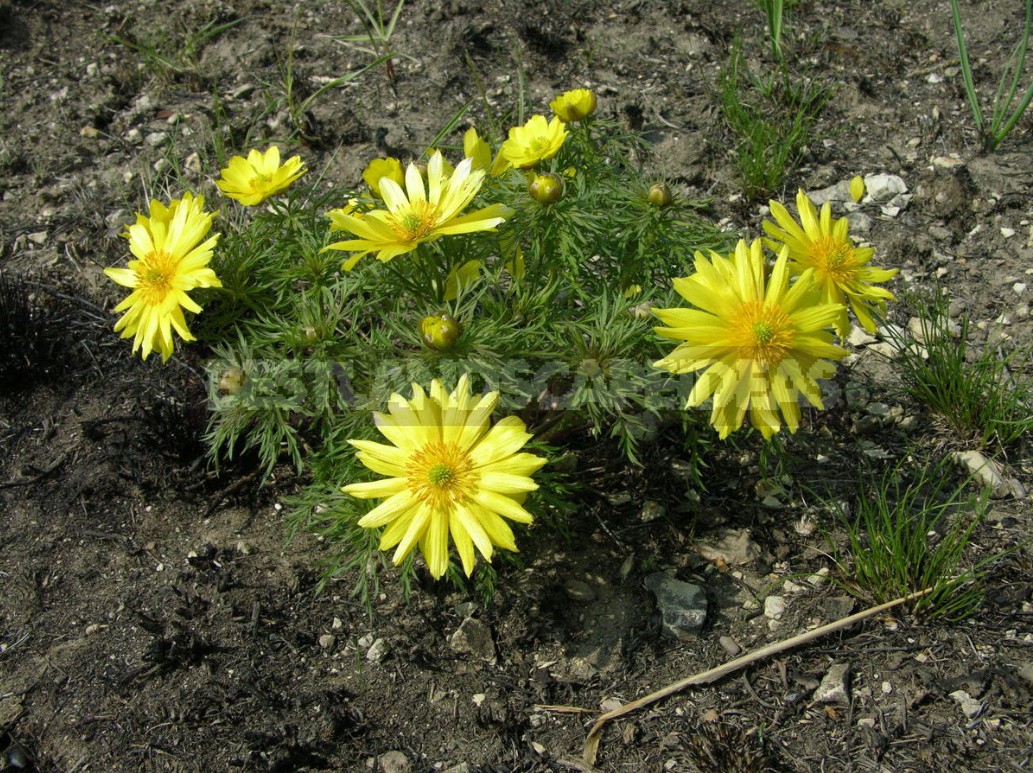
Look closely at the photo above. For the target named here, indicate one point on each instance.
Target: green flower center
(763, 332)
(540, 146)
(440, 475)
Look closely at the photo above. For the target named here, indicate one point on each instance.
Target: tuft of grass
(1004, 110)
(977, 397)
(909, 532)
(772, 118)
(170, 55)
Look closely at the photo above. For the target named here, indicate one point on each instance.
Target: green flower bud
(659, 195)
(231, 381)
(545, 188)
(310, 334)
(440, 331)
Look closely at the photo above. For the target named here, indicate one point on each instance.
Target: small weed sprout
(169, 55)
(909, 532)
(379, 30)
(1004, 110)
(978, 398)
(773, 10)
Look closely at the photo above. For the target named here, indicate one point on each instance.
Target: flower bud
(659, 195)
(231, 381)
(440, 331)
(545, 188)
(857, 188)
(310, 334)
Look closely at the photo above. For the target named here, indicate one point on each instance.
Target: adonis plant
(475, 307)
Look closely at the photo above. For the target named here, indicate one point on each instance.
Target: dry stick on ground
(595, 734)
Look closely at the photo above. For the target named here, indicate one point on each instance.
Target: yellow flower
(383, 167)
(170, 261)
(574, 105)
(417, 214)
(251, 181)
(530, 144)
(477, 150)
(449, 473)
(760, 344)
(840, 268)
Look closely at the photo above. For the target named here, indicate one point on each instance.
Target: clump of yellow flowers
(515, 278)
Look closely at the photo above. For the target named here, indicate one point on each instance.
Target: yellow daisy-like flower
(449, 473)
(170, 261)
(761, 344)
(254, 179)
(417, 214)
(379, 168)
(575, 105)
(530, 144)
(842, 270)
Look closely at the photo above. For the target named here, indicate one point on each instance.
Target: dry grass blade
(591, 749)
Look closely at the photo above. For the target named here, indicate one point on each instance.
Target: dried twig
(706, 677)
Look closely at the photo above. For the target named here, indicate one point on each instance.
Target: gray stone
(729, 645)
(652, 511)
(883, 188)
(393, 762)
(682, 605)
(990, 474)
(971, 707)
(462, 767)
(774, 607)
(839, 192)
(379, 650)
(579, 590)
(859, 337)
(834, 686)
(733, 546)
(474, 638)
(327, 640)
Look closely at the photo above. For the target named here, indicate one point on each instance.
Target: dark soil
(153, 617)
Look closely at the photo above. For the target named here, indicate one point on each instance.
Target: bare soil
(153, 616)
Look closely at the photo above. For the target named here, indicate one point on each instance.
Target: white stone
(834, 686)
(774, 607)
(969, 705)
(882, 188)
(990, 474)
(378, 651)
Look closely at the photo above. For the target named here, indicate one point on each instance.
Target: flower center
(415, 222)
(834, 256)
(763, 333)
(156, 277)
(439, 475)
(540, 146)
